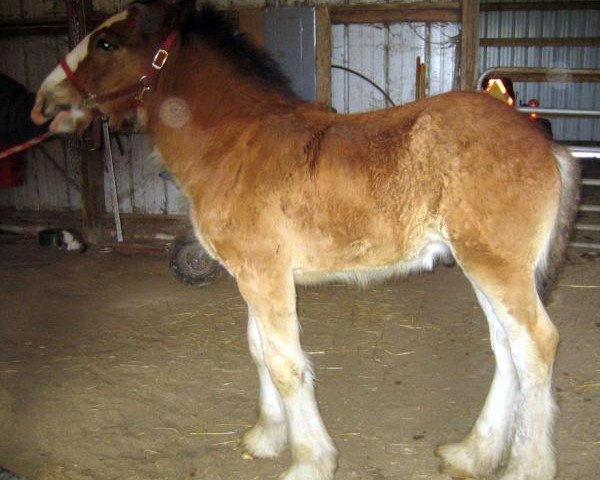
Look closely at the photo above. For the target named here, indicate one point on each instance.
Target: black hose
(381, 90)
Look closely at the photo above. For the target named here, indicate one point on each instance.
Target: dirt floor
(112, 369)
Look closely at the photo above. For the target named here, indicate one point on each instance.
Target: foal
(284, 192)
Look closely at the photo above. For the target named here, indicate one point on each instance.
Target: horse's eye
(105, 45)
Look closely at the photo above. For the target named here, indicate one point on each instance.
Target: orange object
(12, 171)
(496, 88)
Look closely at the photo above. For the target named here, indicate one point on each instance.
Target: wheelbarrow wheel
(191, 264)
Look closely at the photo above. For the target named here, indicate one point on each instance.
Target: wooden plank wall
(28, 60)
(386, 54)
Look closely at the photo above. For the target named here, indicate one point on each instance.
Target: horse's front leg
(269, 436)
(271, 299)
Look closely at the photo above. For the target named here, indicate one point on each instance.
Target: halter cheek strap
(89, 99)
(93, 101)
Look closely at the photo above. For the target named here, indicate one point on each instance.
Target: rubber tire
(191, 264)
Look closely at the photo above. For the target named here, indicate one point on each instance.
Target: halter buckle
(145, 83)
(159, 59)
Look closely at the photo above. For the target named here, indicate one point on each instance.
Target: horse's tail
(550, 260)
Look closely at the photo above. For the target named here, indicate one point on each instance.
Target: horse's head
(110, 67)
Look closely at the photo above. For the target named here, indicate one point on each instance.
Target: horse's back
(335, 193)
(461, 169)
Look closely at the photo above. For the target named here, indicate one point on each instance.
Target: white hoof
(265, 441)
(467, 460)
(534, 471)
(321, 470)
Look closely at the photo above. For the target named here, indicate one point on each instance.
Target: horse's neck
(216, 91)
(202, 106)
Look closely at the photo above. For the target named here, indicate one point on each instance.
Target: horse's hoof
(322, 470)
(536, 471)
(458, 460)
(265, 441)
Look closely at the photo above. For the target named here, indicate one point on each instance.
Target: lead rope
(25, 145)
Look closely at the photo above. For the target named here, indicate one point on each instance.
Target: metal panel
(291, 38)
(387, 55)
(549, 24)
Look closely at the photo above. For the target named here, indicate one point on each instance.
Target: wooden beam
(541, 74)
(533, 6)
(541, 42)
(469, 44)
(323, 55)
(137, 227)
(37, 26)
(44, 25)
(396, 12)
(90, 147)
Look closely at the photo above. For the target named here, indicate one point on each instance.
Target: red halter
(93, 101)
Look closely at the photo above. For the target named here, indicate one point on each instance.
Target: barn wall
(549, 24)
(114, 5)
(28, 60)
(16, 9)
(387, 54)
(140, 187)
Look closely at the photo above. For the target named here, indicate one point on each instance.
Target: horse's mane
(250, 60)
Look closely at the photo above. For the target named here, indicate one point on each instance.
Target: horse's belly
(362, 264)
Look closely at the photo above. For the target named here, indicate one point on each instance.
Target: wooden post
(251, 22)
(469, 45)
(323, 54)
(79, 13)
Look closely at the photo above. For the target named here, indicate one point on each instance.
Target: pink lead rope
(25, 145)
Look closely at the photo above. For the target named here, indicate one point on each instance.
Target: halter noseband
(93, 101)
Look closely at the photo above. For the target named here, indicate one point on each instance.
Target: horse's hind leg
(531, 338)
(484, 448)
(269, 436)
(272, 304)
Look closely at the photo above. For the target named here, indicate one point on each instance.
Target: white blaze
(75, 56)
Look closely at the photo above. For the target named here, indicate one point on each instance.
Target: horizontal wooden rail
(541, 74)
(541, 42)
(396, 12)
(532, 6)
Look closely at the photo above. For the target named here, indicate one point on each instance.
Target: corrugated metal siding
(387, 55)
(550, 24)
